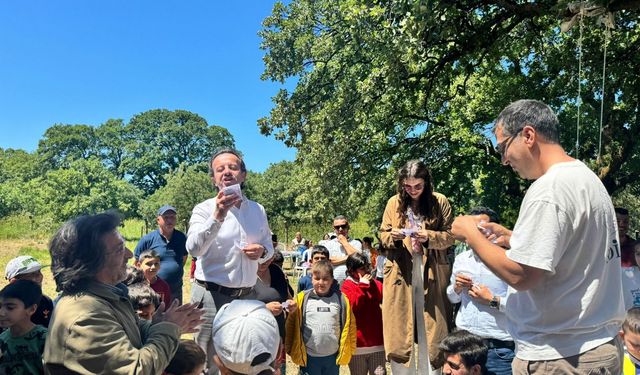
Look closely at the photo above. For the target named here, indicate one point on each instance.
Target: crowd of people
(548, 296)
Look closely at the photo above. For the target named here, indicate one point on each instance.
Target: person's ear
(32, 309)
(621, 334)
(476, 370)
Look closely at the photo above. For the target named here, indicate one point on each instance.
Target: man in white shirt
(564, 302)
(482, 298)
(340, 247)
(229, 235)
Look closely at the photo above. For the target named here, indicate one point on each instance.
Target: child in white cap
(245, 338)
(26, 267)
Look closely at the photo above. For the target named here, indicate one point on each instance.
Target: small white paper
(232, 190)
(408, 231)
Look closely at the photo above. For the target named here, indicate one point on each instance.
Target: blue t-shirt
(171, 255)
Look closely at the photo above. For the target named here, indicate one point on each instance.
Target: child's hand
(291, 306)
(275, 307)
(366, 278)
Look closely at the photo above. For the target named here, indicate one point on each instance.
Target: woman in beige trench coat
(416, 231)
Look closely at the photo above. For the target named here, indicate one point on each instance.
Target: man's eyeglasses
(339, 227)
(501, 148)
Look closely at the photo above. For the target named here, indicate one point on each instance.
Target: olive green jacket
(98, 332)
(397, 304)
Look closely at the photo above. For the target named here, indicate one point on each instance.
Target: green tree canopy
(160, 140)
(61, 144)
(378, 83)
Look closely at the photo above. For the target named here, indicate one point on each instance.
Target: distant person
(380, 259)
(340, 247)
(170, 245)
(631, 279)
(482, 296)
(188, 360)
(245, 338)
(94, 329)
(465, 354)
(26, 267)
(369, 251)
(230, 236)
(22, 344)
(321, 333)
(150, 264)
(297, 241)
(565, 303)
(365, 296)
(626, 241)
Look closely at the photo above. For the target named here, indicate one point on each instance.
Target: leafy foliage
(382, 82)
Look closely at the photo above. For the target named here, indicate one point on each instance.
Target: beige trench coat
(397, 304)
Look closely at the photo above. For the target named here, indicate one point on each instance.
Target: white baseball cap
(243, 330)
(21, 265)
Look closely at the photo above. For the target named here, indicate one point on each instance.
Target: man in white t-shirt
(340, 247)
(564, 303)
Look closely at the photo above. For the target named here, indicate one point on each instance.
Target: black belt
(231, 292)
(499, 344)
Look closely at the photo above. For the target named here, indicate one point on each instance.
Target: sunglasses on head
(343, 226)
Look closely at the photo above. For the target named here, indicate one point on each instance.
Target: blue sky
(84, 62)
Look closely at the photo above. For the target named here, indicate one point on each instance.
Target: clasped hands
(478, 292)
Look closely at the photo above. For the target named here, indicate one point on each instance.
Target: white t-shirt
(566, 226)
(631, 287)
(336, 250)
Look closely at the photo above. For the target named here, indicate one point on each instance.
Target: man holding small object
(229, 234)
(564, 301)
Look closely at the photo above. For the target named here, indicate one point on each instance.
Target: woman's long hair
(426, 201)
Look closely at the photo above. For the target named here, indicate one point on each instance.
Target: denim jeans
(321, 366)
(499, 361)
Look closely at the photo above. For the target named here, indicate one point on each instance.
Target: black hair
(26, 291)
(426, 201)
(357, 260)
(141, 295)
(278, 258)
(78, 250)
(480, 210)
(274, 237)
(188, 356)
(319, 249)
(622, 211)
(471, 349)
(368, 240)
(134, 276)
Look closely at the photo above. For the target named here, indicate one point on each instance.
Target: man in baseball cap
(26, 267)
(245, 338)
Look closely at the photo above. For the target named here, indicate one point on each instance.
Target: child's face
(321, 283)
(359, 272)
(35, 276)
(146, 312)
(150, 268)
(13, 311)
(632, 343)
(318, 257)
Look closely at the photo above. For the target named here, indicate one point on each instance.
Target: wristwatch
(494, 303)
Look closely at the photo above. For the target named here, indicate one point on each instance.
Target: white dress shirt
(218, 246)
(473, 316)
